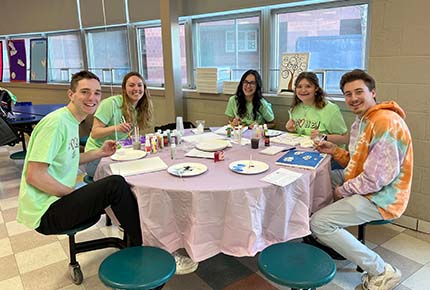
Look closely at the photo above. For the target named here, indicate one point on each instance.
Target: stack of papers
(293, 140)
(209, 79)
(200, 154)
(273, 150)
(138, 166)
(230, 87)
(282, 177)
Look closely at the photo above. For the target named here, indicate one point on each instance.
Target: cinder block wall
(400, 61)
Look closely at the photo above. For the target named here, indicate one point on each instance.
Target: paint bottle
(266, 135)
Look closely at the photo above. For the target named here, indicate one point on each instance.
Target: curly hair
(144, 106)
(319, 92)
(256, 100)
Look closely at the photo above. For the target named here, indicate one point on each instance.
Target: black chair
(172, 126)
(86, 246)
(8, 135)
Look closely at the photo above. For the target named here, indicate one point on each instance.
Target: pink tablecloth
(222, 211)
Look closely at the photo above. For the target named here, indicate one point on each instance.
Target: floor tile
(420, 279)
(13, 283)
(40, 257)
(50, 277)
(5, 247)
(252, 282)
(73, 287)
(186, 282)
(406, 265)
(422, 236)
(8, 203)
(94, 283)
(15, 228)
(29, 240)
(347, 276)
(9, 214)
(8, 267)
(90, 261)
(223, 266)
(409, 247)
(3, 231)
(250, 262)
(1, 218)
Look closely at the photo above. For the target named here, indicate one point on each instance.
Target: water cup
(200, 126)
(180, 125)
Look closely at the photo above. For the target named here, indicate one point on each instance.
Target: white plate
(187, 169)
(212, 145)
(128, 154)
(244, 166)
(274, 133)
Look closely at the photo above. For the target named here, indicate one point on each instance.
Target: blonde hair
(144, 106)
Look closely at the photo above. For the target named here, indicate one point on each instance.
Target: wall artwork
(17, 60)
(292, 65)
(1, 61)
(38, 60)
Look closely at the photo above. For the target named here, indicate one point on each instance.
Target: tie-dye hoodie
(379, 163)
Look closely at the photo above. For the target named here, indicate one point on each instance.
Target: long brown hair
(319, 92)
(144, 106)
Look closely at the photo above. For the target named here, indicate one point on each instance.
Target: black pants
(90, 201)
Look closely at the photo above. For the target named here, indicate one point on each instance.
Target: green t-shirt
(109, 113)
(327, 120)
(55, 140)
(264, 114)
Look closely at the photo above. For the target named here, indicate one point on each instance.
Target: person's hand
(315, 135)
(235, 122)
(325, 147)
(337, 194)
(108, 148)
(290, 125)
(250, 126)
(124, 127)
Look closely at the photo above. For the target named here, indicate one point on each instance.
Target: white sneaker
(184, 264)
(385, 281)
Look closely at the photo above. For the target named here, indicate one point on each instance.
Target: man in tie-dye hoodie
(376, 180)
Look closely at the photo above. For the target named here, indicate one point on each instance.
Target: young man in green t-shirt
(48, 200)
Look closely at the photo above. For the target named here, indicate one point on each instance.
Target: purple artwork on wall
(17, 60)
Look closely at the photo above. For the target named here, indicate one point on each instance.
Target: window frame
(68, 70)
(235, 15)
(274, 61)
(89, 55)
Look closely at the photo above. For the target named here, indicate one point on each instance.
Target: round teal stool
(296, 265)
(141, 268)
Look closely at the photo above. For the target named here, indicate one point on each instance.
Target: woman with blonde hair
(117, 116)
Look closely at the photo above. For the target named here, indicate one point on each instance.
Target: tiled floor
(29, 260)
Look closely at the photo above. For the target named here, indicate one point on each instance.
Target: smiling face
(249, 87)
(134, 89)
(358, 97)
(305, 91)
(85, 99)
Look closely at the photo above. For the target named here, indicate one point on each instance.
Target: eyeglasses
(251, 84)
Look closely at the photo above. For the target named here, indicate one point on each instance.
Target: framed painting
(292, 64)
(39, 60)
(17, 60)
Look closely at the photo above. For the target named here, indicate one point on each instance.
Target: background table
(24, 118)
(222, 211)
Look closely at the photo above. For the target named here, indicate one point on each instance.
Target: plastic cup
(200, 126)
(255, 142)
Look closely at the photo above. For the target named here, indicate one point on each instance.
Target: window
(64, 56)
(334, 37)
(151, 54)
(6, 72)
(247, 41)
(108, 54)
(228, 43)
